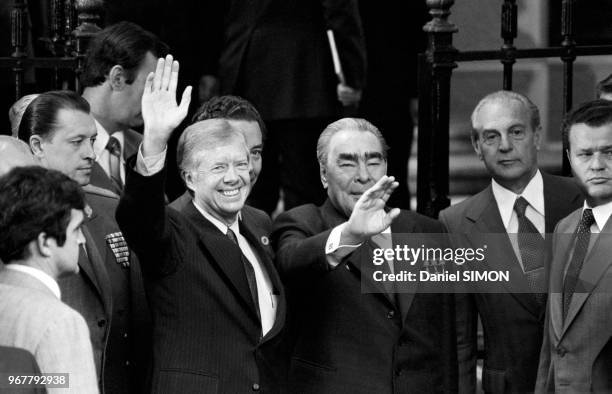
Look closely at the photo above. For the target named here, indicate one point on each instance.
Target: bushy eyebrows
(355, 156)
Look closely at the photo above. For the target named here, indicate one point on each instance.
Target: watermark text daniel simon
(434, 264)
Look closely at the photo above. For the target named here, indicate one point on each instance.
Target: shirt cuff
(147, 166)
(333, 250)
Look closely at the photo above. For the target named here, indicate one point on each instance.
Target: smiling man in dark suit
(217, 301)
(521, 199)
(346, 340)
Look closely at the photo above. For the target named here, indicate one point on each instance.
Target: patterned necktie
(114, 161)
(249, 271)
(533, 251)
(583, 236)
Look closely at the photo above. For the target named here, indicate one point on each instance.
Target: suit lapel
(595, 265)
(563, 244)
(100, 179)
(556, 204)
(93, 264)
(261, 247)
(484, 213)
(404, 297)
(222, 252)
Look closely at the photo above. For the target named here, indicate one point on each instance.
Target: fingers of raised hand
(165, 82)
(174, 77)
(159, 71)
(149, 83)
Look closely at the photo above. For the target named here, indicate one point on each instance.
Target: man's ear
(43, 245)
(36, 146)
(117, 78)
(537, 137)
(323, 174)
(188, 179)
(476, 146)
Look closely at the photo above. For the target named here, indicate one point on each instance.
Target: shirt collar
(601, 213)
(533, 193)
(45, 278)
(218, 224)
(102, 139)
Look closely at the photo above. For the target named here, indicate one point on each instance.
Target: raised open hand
(369, 217)
(160, 111)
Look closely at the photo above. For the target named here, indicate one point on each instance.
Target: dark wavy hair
(125, 44)
(35, 200)
(40, 117)
(229, 107)
(592, 113)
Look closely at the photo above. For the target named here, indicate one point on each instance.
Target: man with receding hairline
(348, 338)
(524, 203)
(217, 302)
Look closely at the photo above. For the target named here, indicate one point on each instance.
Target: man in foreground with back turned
(347, 340)
(217, 301)
(40, 237)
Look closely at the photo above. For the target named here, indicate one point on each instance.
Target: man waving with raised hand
(217, 302)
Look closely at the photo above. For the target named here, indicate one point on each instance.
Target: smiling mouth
(230, 193)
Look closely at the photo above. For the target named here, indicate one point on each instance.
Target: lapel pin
(265, 240)
(88, 211)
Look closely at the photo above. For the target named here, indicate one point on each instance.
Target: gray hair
(16, 112)
(206, 134)
(506, 96)
(356, 124)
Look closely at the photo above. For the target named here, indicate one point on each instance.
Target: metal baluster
(568, 58)
(432, 188)
(508, 33)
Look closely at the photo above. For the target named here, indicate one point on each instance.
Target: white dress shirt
(42, 276)
(505, 199)
(103, 155)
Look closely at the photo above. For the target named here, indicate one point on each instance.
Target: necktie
(383, 241)
(583, 236)
(533, 251)
(114, 161)
(248, 270)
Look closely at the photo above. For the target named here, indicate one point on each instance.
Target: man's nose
(231, 175)
(597, 162)
(505, 144)
(88, 151)
(363, 174)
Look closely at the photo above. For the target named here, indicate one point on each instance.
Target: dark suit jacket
(347, 341)
(512, 322)
(576, 353)
(206, 334)
(20, 362)
(111, 298)
(99, 178)
(275, 54)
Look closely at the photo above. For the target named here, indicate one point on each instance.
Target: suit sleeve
(65, 347)
(300, 252)
(145, 221)
(342, 17)
(466, 316)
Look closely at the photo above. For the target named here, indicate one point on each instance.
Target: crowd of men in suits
(105, 279)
